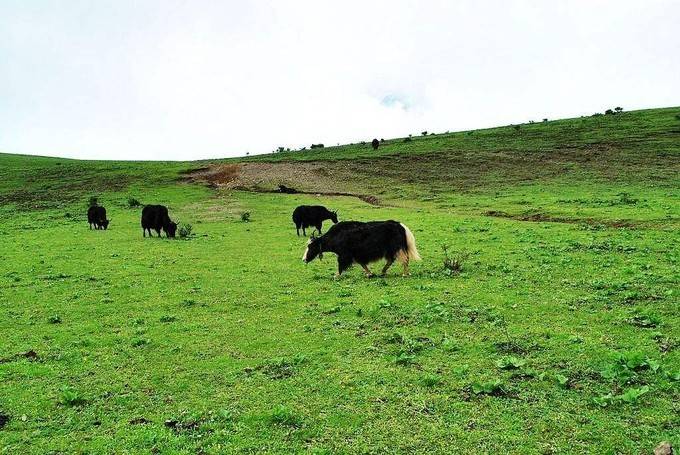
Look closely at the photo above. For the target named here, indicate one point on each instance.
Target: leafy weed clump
(281, 368)
(453, 264)
(71, 397)
(133, 203)
(645, 319)
(284, 416)
(245, 217)
(510, 363)
(626, 367)
(185, 230)
(630, 396)
(492, 388)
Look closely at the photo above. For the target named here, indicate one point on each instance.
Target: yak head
(105, 224)
(171, 229)
(313, 250)
(334, 217)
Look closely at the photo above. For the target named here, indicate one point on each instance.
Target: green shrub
(453, 265)
(185, 230)
(494, 387)
(71, 397)
(510, 363)
(133, 203)
(282, 415)
(245, 217)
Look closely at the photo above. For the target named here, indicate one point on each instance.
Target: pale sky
(171, 79)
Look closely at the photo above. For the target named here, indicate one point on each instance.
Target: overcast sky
(170, 79)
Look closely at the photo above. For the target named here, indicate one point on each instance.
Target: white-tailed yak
(364, 243)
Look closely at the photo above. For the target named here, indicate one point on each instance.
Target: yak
(375, 144)
(365, 243)
(306, 216)
(96, 216)
(156, 217)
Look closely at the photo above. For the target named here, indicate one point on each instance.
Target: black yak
(156, 217)
(364, 243)
(375, 144)
(96, 216)
(306, 216)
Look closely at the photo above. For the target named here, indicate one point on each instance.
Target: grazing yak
(96, 216)
(306, 216)
(375, 144)
(156, 217)
(363, 243)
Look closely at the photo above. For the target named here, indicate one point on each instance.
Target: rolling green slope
(559, 335)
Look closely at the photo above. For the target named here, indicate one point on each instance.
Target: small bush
(282, 415)
(454, 264)
(185, 230)
(245, 217)
(54, 319)
(408, 139)
(316, 146)
(432, 380)
(424, 133)
(92, 201)
(608, 112)
(140, 342)
(404, 359)
(618, 109)
(71, 397)
(133, 203)
(624, 198)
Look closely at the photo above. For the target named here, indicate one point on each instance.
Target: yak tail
(411, 250)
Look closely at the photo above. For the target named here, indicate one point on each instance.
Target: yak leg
(304, 232)
(297, 228)
(343, 264)
(406, 272)
(318, 228)
(369, 274)
(387, 266)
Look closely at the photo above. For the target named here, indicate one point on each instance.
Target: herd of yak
(352, 241)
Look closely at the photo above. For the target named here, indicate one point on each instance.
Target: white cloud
(187, 80)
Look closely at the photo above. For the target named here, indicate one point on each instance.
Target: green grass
(559, 334)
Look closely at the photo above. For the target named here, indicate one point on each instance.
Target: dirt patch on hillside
(326, 178)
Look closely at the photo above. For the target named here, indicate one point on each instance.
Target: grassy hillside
(559, 335)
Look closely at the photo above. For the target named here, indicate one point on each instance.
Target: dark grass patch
(538, 217)
(281, 368)
(29, 355)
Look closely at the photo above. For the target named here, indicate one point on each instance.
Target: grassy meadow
(559, 334)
